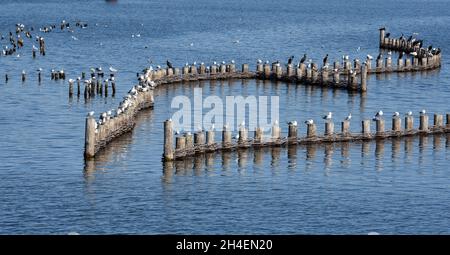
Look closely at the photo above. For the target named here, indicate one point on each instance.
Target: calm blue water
(391, 187)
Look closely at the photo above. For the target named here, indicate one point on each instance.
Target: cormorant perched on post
(410, 38)
(290, 60)
(325, 59)
(303, 59)
(430, 47)
(379, 56)
(387, 35)
(169, 65)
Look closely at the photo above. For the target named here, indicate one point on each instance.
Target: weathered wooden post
(311, 130)
(424, 62)
(292, 131)
(78, 86)
(364, 77)
(407, 64)
(366, 127)
(199, 138)
(379, 126)
(189, 141)
(193, 70)
(210, 137)
(223, 68)
(70, 88)
(232, 68)
(423, 124)
(314, 72)
(447, 117)
(400, 64)
(290, 70)
(169, 71)
(379, 67)
(245, 68)
(309, 74)
(382, 36)
(329, 128)
(176, 71)
(409, 122)
(356, 64)
(6, 78)
(389, 64)
(180, 143)
(276, 131)
(168, 140)
(213, 69)
(89, 139)
(336, 65)
(345, 127)
(202, 69)
(113, 86)
(353, 84)
(325, 75)
(258, 135)
(302, 69)
(106, 87)
(259, 68)
(396, 124)
(243, 134)
(438, 120)
(336, 78)
(267, 71)
(368, 64)
(279, 71)
(226, 136)
(186, 70)
(415, 62)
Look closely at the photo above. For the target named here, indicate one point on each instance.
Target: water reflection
(117, 150)
(205, 164)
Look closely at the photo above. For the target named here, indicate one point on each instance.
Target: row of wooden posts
(396, 43)
(354, 74)
(188, 144)
(300, 74)
(96, 87)
(98, 136)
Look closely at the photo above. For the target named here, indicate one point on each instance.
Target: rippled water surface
(392, 187)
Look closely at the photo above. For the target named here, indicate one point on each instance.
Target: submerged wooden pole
(168, 140)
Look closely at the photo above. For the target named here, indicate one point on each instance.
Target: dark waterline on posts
(392, 186)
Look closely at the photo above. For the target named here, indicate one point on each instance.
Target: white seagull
(349, 117)
(328, 116)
